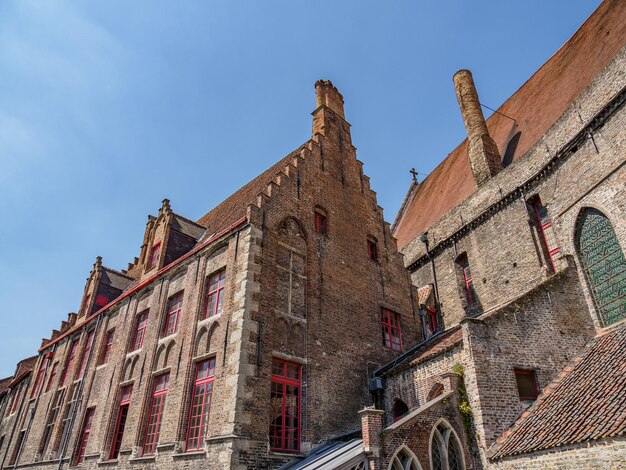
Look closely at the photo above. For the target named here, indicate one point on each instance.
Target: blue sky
(107, 107)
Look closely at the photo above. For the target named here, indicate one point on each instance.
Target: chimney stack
(483, 152)
(328, 106)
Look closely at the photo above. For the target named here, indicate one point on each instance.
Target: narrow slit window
(547, 230)
(468, 280)
(372, 249)
(321, 222)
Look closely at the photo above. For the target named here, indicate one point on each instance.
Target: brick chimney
(483, 153)
(371, 430)
(328, 104)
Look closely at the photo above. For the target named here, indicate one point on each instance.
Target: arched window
(404, 459)
(445, 449)
(399, 410)
(435, 391)
(603, 262)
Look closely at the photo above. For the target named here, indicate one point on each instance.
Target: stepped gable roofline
(140, 285)
(536, 106)
(421, 352)
(586, 402)
(236, 205)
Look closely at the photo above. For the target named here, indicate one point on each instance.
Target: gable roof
(587, 401)
(235, 206)
(536, 106)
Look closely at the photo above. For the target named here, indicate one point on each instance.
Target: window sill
(145, 458)
(133, 353)
(208, 320)
(167, 338)
(191, 454)
(104, 463)
(287, 453)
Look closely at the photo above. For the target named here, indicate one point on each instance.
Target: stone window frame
(158, 391)
(443, 441)
(173, 312)
(219, 291)
(410, 462)
(208, 379)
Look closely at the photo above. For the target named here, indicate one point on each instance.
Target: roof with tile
(424, 293)
(587, 401)
(235, 206)
(536, 106)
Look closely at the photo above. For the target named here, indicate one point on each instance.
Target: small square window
(372, 250)
(526, 384)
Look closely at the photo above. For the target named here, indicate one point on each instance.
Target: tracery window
(291, 269)
(404, 460)
(604, 265)
(445, 449)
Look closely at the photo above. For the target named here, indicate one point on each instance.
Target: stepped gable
(235, 206)
(536, 106)
(587, 401)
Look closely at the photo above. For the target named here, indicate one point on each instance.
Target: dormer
(103, 285)
(168, 236)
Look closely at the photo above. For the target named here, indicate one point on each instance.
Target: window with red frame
(84, 436)
(15, 399)
(101, 301)
(40, 377)
(215, 294)
(285, 406)
(140, 330)
(526, 384)
(108, 345)
(200, 404)
(372, 250)
(468, 280)
(547, 231)
(174, 307)
(154, 256)
(392, 332)
(432, 319)
(321, 222)
(120, 423)
(155, 413)
(53, 374)
(70, 362)
(86, 353)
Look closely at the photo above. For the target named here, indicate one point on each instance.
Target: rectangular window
(84, 436)
(285, 406)
(432, 319)
(85, 305)
(86, 353)
(53, 374)
(200, 404)
(108, 345)
(16, 450)
(321, 225)
(392, 332)
(526, 384)
(547, 231)
(15, 399)
(40, 377)
(174, 306)
(70, 362)
(372, 250)
(52, 417)
(470, 293)
(155, 413)
(154, 256)
(215, 294)
(120, 424)
(140, 330)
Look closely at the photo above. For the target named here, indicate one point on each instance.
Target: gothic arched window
(404, 459)
(603, 262)
(399, 410)
(445, 449)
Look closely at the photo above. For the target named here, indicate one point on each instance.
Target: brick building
(292, 326)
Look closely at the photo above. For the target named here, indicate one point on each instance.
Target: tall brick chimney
(371, 429)
(483, 152)
(328, 102)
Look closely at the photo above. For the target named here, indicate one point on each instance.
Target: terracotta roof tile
(586, 402)
(424, 293)
(536, 106)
